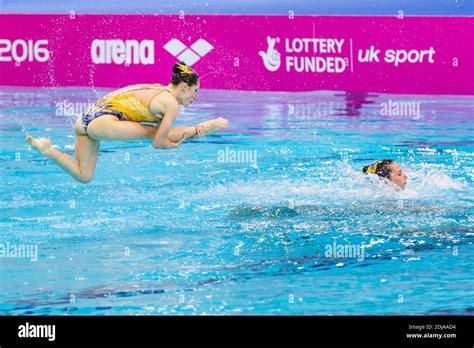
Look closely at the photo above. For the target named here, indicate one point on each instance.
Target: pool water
(248, 220)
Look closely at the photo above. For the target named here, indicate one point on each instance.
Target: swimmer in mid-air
(118, 116)
(388, 170)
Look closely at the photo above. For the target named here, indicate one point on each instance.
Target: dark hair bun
(176, 69)
(381, 168)
(183, 73)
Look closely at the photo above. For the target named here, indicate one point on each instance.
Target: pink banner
(416, 55)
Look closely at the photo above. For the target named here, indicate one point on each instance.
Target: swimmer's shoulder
(163, 102)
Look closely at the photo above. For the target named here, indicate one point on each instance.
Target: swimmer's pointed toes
(41, 144)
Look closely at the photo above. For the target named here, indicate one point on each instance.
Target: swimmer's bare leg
(198, 130)
(82, 168)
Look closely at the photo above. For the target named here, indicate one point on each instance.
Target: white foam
(353, 187)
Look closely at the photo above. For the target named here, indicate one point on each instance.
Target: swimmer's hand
(170, 144)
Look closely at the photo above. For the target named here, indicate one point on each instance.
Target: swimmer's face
(189, 93)
(397, 176)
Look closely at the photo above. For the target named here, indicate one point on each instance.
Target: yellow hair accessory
(372, 168)
(185, 69)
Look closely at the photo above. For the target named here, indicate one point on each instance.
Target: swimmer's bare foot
(42, 145)
(211, 126)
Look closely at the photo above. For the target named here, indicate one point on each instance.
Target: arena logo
(123, 52)
(189, 55)
(315, 55)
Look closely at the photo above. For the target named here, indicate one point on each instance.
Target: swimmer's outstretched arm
(198, 130)
(161, 140)
(167, 137)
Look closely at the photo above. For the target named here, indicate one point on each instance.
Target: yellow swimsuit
(125, 106)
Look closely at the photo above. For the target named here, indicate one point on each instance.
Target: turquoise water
(192, 231)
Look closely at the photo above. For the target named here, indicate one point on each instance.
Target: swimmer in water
(389, 170)
(118, 116)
